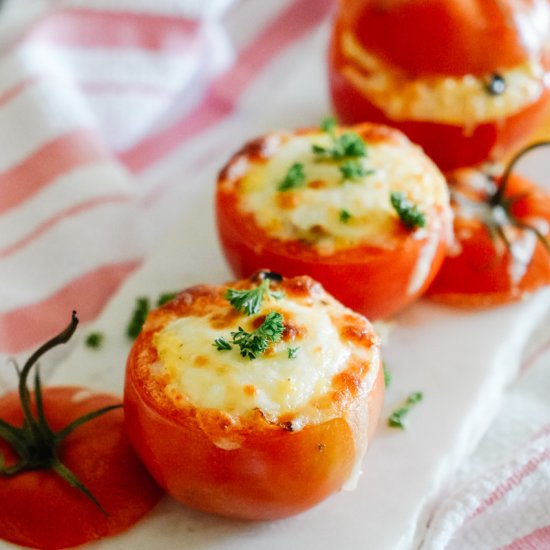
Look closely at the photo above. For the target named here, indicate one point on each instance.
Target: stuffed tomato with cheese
(465, 79)
(360, 209)
(253, 400)
(501, 252)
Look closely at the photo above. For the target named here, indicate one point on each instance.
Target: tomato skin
(372, 281)
(450, 147)
(479, 275)
(271, 473)
(38, 509)
(468, 50)
(410, 33)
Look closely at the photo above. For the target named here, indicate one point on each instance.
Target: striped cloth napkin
(105, 107)
(81, 92)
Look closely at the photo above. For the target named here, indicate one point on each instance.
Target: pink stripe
(513, 481)
(28, 326)
(91, 28)
(13, 92)
(59, 217)
(537, 540)
(125, 88)
(49, 162)
(292, 24)
(535, 355)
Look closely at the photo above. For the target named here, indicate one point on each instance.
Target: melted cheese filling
(312, 212)
(273, 382)
(459, 101)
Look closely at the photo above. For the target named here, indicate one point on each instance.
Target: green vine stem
(35, 443)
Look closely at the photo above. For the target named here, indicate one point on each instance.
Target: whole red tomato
(68, 474)
(467, 80)
(501, 252)
(39, 509)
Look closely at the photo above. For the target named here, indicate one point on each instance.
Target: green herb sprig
(293, 352)
(221, 344)
(353, 170)
(348, 145)
(397, 417)
(344, 216)
(387, 375)
(165, 297)
(250, 301)
(94, 340)
(253, 344)
(295, 177)
(141, 309)
(410, 215)
(35, 442)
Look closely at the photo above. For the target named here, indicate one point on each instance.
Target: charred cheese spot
(190, 365)
(462, 101)
(311, 213)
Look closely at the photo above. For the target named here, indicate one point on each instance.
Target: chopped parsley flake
(293, 352)
(250, 301)
(222, 344)
(295, 177)
(346, 146)
(141, 309)
(345, 216)
(409, 213)
(353, 170)
(397, 418)
(94, 340)
(328, 124)
(255, 343)
(165, 297)
(387, 376)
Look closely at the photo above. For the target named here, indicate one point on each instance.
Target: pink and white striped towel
(85, 84)
(115, 112)
(500, 497)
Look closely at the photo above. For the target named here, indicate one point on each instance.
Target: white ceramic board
(461, 361)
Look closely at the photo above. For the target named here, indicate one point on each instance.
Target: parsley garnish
(255, 343)
(409, 213)
(387, 376)
(141, 309)
(353, 170)
(345, 216)
(165, 297)
(328, 124)
(293, 352)
(94, 340)
(250, 301)
(396, 419)
(222, 344)
(348, 145)
(295, 177)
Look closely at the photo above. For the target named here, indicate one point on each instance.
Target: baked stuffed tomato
(254, 400)
(359, 209)
(467, 80)
(501, 252)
